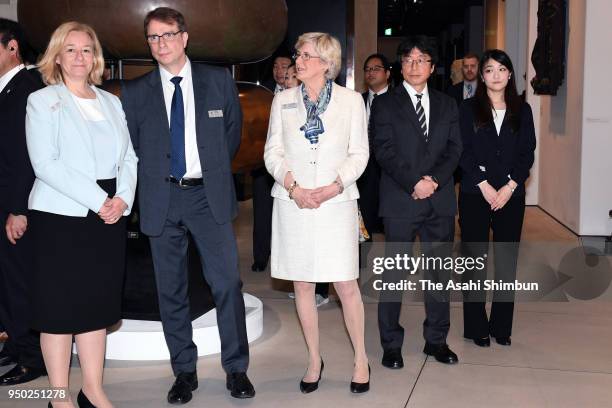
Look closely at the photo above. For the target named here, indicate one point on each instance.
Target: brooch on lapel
(55, 106)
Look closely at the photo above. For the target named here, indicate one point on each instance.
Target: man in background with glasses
(376, 73)
(185, 123)
(417, 144)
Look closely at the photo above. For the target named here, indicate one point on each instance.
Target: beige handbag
(364, 235)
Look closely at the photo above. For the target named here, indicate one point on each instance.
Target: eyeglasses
(375, 68)
(154, 38)
(305, 56)
(419, 61)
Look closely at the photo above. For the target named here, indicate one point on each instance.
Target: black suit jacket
(16, 174)
(218, 138)
(405, 157)
(456, 92)
(487, 156)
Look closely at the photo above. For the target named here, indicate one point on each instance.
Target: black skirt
(79, 265)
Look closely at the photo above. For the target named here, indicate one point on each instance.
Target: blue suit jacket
(218, 139)
(61, 152)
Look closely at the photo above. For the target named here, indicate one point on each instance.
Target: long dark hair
(483, 106)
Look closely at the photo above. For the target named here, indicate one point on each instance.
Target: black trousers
(15, 305)
(476, 219)
(368, 185)
(430, 228)
(262, 215)
(189, 213)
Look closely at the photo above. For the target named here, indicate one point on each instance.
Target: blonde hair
(51, 71)
(328, 48)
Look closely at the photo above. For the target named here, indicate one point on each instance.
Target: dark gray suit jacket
(218, 141)
(405, 157)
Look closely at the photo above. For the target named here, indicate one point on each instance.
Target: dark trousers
(368, 185)
(476, 219)
(430, 228)
(262, 215)
(15, 268)
(189, 213)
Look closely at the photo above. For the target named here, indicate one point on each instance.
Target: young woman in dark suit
(498, 151)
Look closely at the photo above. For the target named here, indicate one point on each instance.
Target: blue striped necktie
(177, 131)
(421, 115)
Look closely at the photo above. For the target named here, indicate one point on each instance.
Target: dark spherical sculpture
(228, 31)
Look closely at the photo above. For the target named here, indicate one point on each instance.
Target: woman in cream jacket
(316, 149)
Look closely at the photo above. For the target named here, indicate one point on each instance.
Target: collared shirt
(278, 89)
(6, 78)
(371, 98)
(424, 100)
(474, 84)
(192, 157)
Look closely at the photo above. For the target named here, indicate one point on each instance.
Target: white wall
(596, 191)
(561, 130)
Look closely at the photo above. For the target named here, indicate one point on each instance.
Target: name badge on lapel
(289, 106)
(217, 113)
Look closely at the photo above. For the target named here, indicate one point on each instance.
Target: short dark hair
(166, 15)
(11, 30)
(382, 58)
(282, 52)
(471, 55)
(425, 44)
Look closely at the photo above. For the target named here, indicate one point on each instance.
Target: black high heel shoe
(358, 388)
(308, 387)
(83, 401)
(50, 405)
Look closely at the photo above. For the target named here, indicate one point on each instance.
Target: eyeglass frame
(375, 68)
(419, 61)
(305, 56)
(169, 36)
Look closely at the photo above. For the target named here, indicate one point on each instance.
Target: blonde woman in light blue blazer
(85, 168)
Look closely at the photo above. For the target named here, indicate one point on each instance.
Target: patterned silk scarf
(314, 126)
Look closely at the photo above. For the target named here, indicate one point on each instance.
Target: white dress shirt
(371, 99)
(498, 118)
(424, 100)
(474, 83)
(6, 78)
(192, 158)
(278, 89)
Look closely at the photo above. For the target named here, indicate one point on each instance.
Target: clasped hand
(424, 188)
(112, 210)
(313, 198)
(497, 199)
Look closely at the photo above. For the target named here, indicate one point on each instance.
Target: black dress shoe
(239, 385)
(50, 405)
(392, 358)
(259, 266)
(180, 393)
(480, 341)
(21, 374)
(504, 341)
(308, 387)
(83, 401)
(358, 388)
(441, 352)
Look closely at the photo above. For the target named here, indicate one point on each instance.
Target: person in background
(377, 72)
(317, 147)
(467, 88)
(22, 345)
(498, 151)
(85, 170)
(263, 182)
